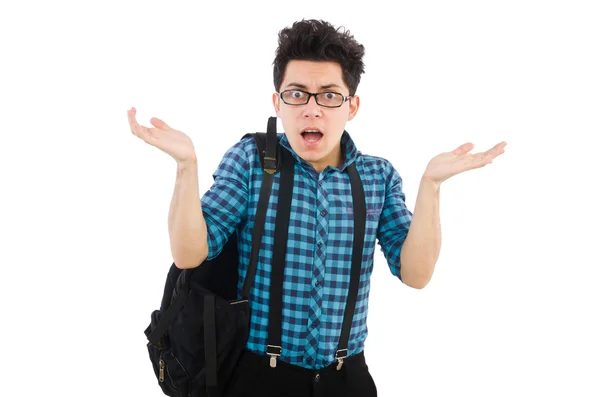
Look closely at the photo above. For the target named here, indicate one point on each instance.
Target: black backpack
(197, 336)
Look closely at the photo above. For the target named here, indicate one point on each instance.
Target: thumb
(464, 148)
(158, 123)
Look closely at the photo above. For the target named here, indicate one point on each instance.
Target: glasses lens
(330, 99)
(294, 97)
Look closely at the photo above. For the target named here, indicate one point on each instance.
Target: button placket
(316, 293)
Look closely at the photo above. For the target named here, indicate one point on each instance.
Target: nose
(311, 109)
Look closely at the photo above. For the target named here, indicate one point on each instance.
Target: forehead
(313, 75)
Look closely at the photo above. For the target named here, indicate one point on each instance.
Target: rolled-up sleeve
(394, 220)
(224, 204)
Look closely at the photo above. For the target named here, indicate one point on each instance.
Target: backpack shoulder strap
(271, 163)
(268, 147)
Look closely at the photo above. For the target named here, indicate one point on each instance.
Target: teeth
(311, 140)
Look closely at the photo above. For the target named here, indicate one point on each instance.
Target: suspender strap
(358, 198)
(282, 221)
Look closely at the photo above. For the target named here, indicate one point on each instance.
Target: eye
(297, 94)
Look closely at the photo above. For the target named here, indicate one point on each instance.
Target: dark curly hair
(317, 40)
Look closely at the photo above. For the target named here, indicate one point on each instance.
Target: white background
(513, 305)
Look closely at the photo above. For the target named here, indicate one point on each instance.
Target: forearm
(187, 228)
(421, 248)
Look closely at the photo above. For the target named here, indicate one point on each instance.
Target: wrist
(187, 164)
(430, 183)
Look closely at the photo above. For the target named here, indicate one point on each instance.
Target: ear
(353, 108)
(276, 103)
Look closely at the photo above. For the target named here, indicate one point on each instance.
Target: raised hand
(446, 165)
(175, 143)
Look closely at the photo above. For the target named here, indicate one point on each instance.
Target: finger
(500, 146)
(131, 113)
(138, 130)
(133, 124)
(158, 123)
(464, 148)
(494, 152)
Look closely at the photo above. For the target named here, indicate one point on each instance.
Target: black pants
(255, 378)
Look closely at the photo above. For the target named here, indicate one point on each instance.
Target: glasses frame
(311, 94)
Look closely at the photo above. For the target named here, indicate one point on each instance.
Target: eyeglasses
(325, 99)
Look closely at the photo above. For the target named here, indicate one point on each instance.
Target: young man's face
(323, 148)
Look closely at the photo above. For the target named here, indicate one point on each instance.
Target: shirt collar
(349, 150)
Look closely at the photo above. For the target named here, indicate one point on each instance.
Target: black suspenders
(279, 251)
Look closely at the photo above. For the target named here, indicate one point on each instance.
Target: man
(317, 70)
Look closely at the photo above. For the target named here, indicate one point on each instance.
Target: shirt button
(317, 284)
(320, 243)
(323, 213)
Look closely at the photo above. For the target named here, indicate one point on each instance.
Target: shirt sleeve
(394, 220)
(224, 205)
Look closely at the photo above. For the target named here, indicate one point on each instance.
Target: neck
(335, 159)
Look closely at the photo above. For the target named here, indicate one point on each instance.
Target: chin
(312, 154)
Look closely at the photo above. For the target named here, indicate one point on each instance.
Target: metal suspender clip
(340, 357)
(273, 351)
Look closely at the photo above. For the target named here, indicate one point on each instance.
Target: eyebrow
(305, 87)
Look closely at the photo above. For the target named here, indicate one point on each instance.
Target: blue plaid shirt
(319, 253)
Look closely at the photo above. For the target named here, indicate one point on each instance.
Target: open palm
(448, 164)
(171, 141)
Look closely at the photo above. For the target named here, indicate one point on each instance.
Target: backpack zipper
(161, 375)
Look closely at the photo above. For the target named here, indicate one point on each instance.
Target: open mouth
(311, 136)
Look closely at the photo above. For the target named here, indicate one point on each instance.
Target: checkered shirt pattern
(319, 250)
